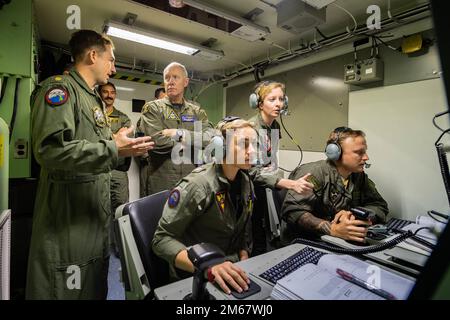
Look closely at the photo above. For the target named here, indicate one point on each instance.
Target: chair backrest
(278, 197)
(144, 217)
(275, 200)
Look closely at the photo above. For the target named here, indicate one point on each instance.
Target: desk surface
(253, 266)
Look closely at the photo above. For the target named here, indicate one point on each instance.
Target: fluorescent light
(150, 41)
(125, 89)
(329, 83)
(122, 31)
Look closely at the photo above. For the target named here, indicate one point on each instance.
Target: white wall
(289, 159)
(400, 135)
(126, 91)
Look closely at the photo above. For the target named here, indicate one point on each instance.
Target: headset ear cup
(286, 102)
(333, 151)
(219, 145)
(253, 100)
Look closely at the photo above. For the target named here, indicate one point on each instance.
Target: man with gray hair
(170, 121)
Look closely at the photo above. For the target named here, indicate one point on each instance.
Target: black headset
(333, 149)
(254, 99)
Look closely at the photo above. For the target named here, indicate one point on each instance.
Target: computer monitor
(434, 281)
(5, 253)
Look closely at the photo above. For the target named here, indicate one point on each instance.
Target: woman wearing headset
(213, 204)
(269, 99)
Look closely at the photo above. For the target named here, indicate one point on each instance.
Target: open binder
(323, 281)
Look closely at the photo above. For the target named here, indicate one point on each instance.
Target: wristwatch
(179, 135)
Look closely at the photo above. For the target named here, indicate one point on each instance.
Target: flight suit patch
(172, 116)
(174, 198)
(220, 198)
(250, 203)
(56, 96)
(188, 118)
(99, 117)
(114, 119)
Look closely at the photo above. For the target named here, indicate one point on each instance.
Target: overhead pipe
(243, 75)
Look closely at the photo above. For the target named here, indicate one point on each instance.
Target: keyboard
(395, 223)
(285, 267)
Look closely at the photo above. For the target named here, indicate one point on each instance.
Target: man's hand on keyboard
(228, 273)
(345, 226)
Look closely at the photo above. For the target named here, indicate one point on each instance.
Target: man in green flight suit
(340, 184)
(119, 176)
(143, 161)
(213, 204)
(171, 120)
(73, 143)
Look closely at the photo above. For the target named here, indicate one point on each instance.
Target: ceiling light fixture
(119, 30)
(176, 3)
(247, 30)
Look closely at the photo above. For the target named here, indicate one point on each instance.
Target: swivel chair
(135, 225)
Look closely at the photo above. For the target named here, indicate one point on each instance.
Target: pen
(363, 284)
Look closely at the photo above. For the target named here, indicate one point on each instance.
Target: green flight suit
(71, 140)
(199, 209)
(330, 196)
(119, 177)
(264, 175)
(158, 115)
(143, 165)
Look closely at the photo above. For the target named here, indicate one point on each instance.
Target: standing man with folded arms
(160, 93)
(169, 121)
(73, 143)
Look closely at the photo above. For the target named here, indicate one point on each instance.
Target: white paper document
(321, 281)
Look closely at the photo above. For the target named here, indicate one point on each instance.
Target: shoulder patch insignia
(174, 198)
(99, 117)
(220, 198)
(56, 96)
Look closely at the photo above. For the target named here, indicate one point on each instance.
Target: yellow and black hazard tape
(127, 77)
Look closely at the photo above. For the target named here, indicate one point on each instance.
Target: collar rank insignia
(220, 198)
(250, 203)
(174, 198)
(99, 117)
(56, 96)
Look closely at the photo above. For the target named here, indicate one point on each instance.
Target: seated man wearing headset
(213, 204)
(339, 185)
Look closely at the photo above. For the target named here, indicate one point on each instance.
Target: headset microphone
(367, 165)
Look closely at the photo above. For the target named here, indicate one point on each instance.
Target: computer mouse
(253, 288)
